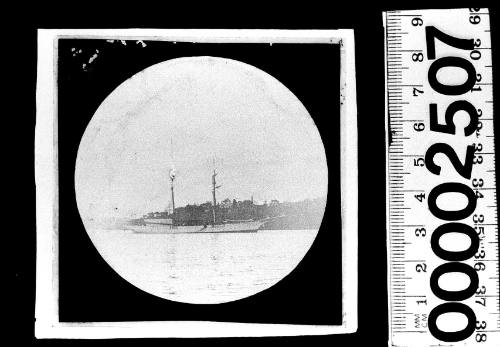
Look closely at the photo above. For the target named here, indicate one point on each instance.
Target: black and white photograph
(195, 184)
(267, 158)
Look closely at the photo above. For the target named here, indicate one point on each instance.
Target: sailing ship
(159, 224)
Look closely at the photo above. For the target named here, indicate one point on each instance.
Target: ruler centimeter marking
(410, 222)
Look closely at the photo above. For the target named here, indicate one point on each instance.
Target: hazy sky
(266, 142)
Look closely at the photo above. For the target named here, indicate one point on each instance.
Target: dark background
(365, 19)
(90, 290)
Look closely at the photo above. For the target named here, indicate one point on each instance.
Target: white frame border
(47, 323)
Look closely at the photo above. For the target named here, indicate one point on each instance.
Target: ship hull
(233, 227)
(247, 227)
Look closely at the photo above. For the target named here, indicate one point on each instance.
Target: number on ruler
(453, 298)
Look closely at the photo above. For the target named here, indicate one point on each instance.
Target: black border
(90, 291)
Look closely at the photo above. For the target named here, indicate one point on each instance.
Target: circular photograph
(202, 180)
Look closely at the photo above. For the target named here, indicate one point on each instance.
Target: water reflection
(199, 268)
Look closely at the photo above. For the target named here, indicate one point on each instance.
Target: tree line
(304, 214)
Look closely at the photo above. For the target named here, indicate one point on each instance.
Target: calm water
(200, 268)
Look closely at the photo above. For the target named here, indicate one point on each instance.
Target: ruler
(443, 269)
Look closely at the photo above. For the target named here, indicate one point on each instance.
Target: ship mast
(214, 200)
(172, 178)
